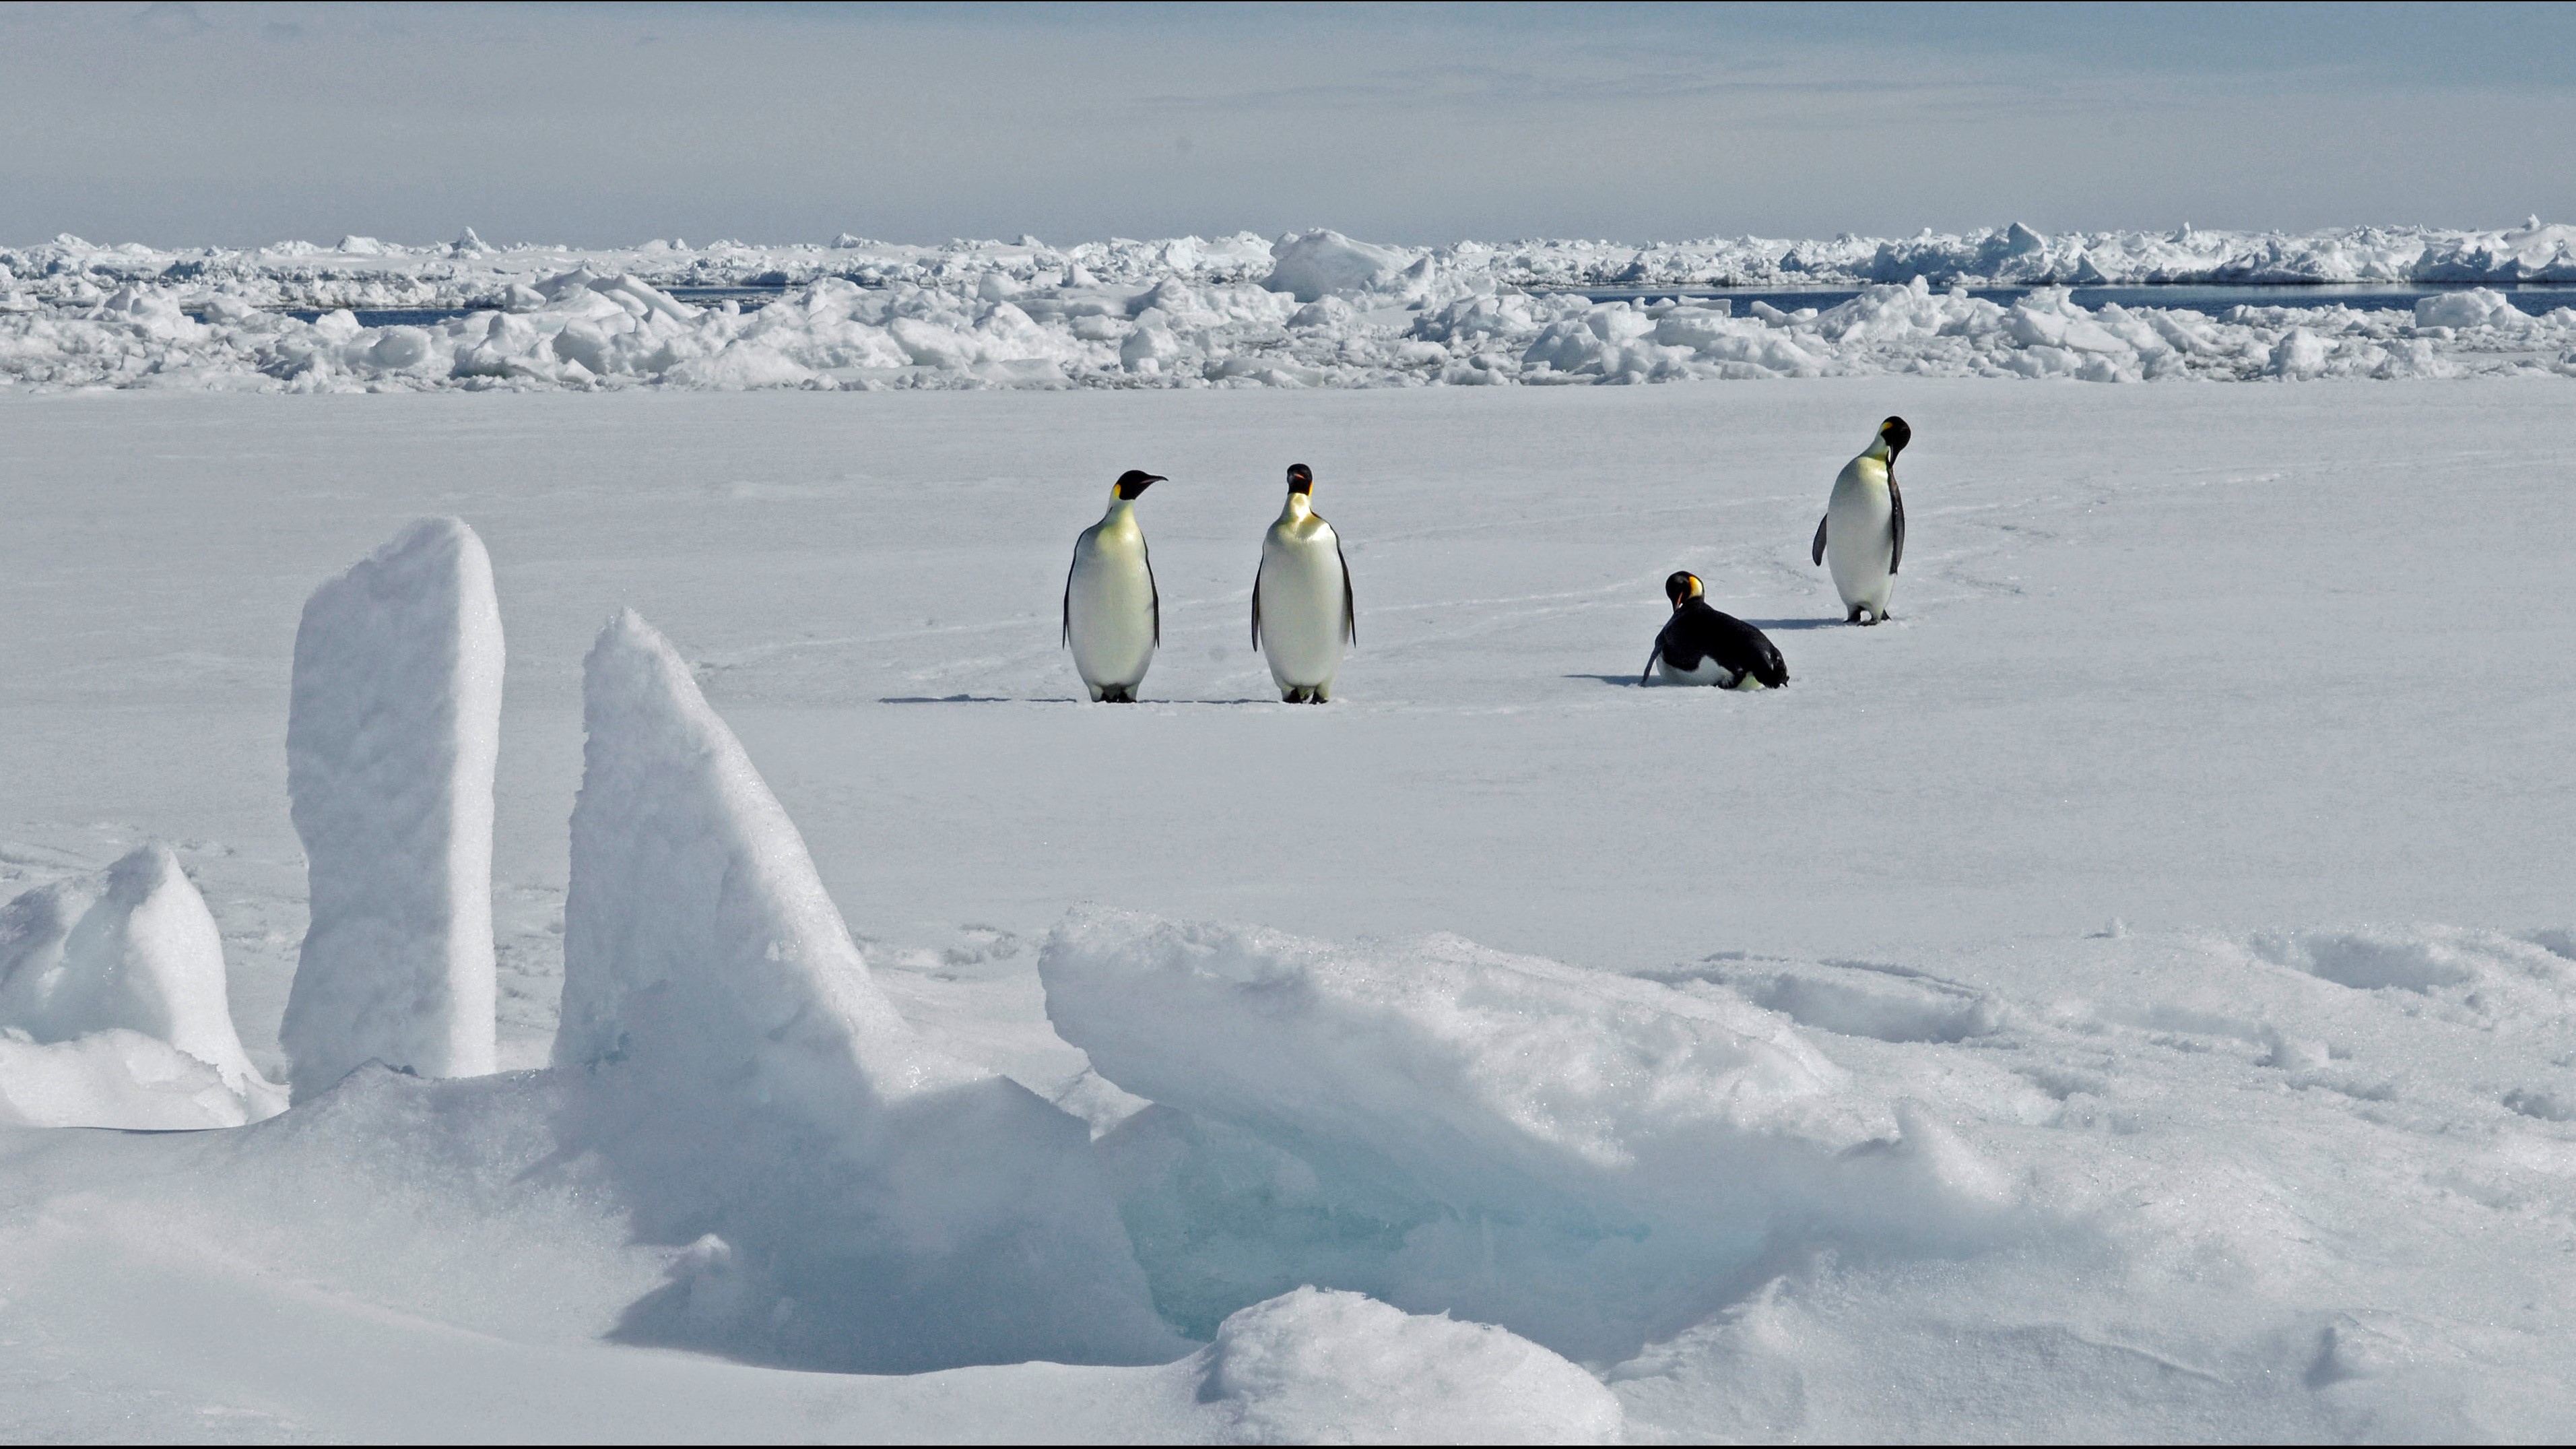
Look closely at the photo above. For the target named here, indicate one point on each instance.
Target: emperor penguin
(1113, 615)
(1301, 597)
(1863, 530)
(1699, 645)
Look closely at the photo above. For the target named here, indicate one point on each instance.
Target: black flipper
(1256, 606)
(1895, 522)
(1350, 610)
(1818, 553)
(1648, 672)
(1152, 591)
(1068, 595)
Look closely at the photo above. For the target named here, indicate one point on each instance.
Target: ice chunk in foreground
(391, 740)
(130, 950)
(873, 1204)
(115, 1078)
(1575, 1155)
(1313, 1367)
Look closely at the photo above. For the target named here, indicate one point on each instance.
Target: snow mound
(2483, 972)
(1323, 264)
(1313, 1367)
(2476, 307)
(848, 1197)
(392, 737)
(1571, 1154)
(131, 950)
(114, 1078)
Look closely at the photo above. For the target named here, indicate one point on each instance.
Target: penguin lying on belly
(1699, 645)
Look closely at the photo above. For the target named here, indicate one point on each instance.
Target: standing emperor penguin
(1113, 615)
(1863, 530)
(1301, 598)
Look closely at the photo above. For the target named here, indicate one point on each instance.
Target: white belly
(1860, 540)
(1709, 671)
(1302, 607)
(1111, 609)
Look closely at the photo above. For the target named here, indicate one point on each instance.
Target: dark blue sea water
(2533, 297)
(751, 299)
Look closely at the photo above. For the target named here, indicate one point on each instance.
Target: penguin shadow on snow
(1630, 681)
(1055, 699)
(1767, 626)
(1771, 626)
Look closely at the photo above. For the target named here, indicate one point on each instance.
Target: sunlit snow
(2126, 995)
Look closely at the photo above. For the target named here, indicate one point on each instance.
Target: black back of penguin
(1697, 633)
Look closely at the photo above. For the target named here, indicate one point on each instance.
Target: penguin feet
(1116, 694)
(1864, 615)
(1296, 696)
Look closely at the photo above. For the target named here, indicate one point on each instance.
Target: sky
(608, 124)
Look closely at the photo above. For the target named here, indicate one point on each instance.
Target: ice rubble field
(1308, 310)
(2126, 996)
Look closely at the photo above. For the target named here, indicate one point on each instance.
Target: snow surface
(112, 990)
(391, 742)
(1314, 310)
(2166, 915)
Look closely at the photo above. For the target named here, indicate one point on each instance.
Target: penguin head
(1893, 435)
(1301, 479)
(1133, 482)
(1681, 588)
